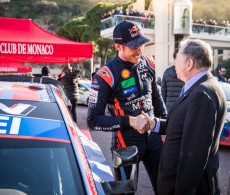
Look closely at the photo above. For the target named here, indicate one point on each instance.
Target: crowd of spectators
(211, 26)
(146, 19)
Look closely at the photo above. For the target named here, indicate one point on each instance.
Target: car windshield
(39, 167)
(36, 154)
(226, 88)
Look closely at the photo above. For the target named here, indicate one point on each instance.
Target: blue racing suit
(127, 89)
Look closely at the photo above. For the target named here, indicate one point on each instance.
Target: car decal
(23, 91)
(33, 128)
(85, 162)
(17, 109)
(77, 144)
(225, 135)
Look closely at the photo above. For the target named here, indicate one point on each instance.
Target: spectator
(158, 80)
(69, 80)
(171, 86)
(46, 71)
(221, 75)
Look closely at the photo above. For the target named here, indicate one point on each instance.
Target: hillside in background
(52, 14)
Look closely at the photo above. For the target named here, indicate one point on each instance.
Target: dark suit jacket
(190, 163)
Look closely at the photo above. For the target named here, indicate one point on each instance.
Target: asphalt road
(103, 139)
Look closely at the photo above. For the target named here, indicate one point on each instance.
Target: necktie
(182, 92)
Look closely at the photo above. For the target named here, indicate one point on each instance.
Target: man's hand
(152, 123)
(140, 123)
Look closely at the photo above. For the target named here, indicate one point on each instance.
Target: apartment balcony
(108, 24)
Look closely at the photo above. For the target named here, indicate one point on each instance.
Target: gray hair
(199, 51)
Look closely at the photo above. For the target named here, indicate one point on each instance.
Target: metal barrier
(112, 21)
(149, 23)
(210, 29)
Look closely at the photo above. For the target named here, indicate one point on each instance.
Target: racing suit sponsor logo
(142, 70)
(141, 66)
(143, 76)
(107, 128)
(95, 81)
(93, 96)
(131, 97)
(125, 74)
(128, 83)
(106, 75)
(135, 100)
(134, 31)
(130, 90)
(95, 86)
(139, 103)
(151, 61)
(91, 105)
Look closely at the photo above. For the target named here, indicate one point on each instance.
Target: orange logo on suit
(125, 74)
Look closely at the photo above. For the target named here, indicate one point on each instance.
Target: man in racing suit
(127, 85)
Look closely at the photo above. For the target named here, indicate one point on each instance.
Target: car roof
(24, 91)
(33, 81)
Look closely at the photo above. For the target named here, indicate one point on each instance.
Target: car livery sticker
(78, 146)
(17, 109)
(33, 128)
(22, 91)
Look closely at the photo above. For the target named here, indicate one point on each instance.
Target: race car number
(12, 125)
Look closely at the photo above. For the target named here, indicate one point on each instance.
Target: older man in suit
(190, 163)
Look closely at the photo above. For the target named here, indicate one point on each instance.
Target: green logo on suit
(128, 83)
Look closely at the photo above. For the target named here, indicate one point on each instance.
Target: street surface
(103, 139)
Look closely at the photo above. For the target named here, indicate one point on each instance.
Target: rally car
(42, 151)
(225, 134)
(84, 88)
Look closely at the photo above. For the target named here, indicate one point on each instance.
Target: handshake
(142, 123)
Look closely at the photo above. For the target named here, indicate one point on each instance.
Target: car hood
(98, 164)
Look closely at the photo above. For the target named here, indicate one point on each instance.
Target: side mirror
(123, 157)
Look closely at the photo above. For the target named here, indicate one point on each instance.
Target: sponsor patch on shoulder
(93, 96)
(95, 86)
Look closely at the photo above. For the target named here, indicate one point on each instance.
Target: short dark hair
(45, 71)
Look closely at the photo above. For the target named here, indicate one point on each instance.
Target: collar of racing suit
(118, 59)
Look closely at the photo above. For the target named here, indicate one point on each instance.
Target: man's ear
(190, 64)
(118, 46)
